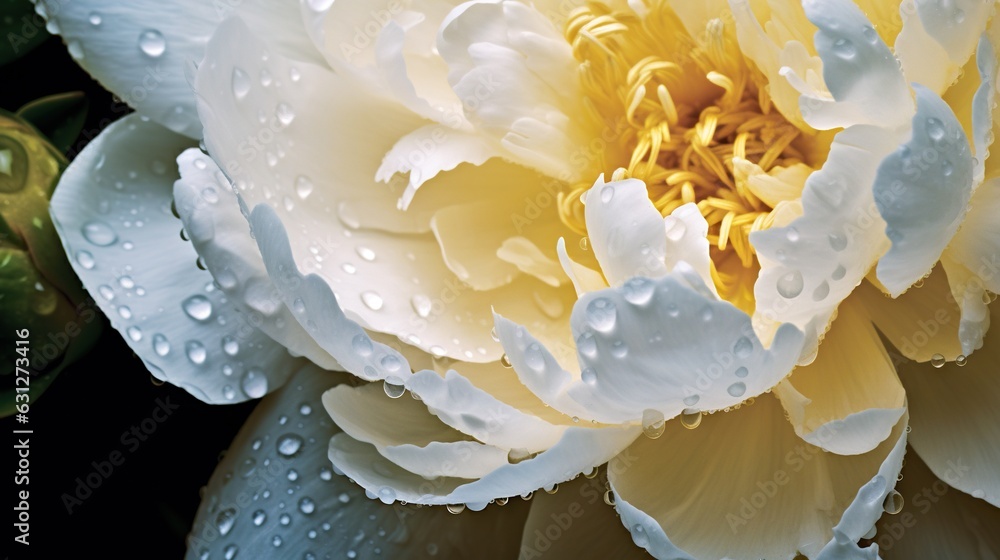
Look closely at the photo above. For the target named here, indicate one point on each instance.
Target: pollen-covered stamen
(692, 110)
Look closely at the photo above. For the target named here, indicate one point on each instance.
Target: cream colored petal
(584, 279)
(920, 323)
(937, 521)
(955, 420)
(744, 483)
(938, 38)
(849, 399)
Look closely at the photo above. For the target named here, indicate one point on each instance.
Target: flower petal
(937, 39)
(584, 279)
(112, 210)
(620, 220)
(579, 450)
(403, 431)
(275, 495)
(140, 50)
(211, 216)
(811, 265)
(331, 153)
(936, 521)
(652, 344)
(776, 494)
(519, 79)
(955, 419)
(574, 522)
(849, 399)
(922, 191)
(920, 323)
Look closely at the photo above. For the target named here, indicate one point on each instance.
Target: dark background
(145, 507)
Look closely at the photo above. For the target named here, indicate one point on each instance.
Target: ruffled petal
(211, 217)
(809, 266)
(275, 494)
(112, 210)
(922, 191)
(657, 345)
(626, 231)
(140, 50)
(936, 521)
(579, 450)
(743, 481)
(849, 399)
(955, 419)
(937, 39)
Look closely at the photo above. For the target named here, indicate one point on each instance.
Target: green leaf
(21, 29)
(60, 117)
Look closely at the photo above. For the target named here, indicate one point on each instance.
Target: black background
(145, 508)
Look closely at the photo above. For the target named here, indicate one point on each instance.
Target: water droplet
(289, 445)
(75, 50)
(276, 541)
(639, 536)
(839, 273)
(619, 349)
(99, 233)
(638, 291)
(456, 509)
(224, 521)
(95, 19)
(85, 259)
(196, 352)
(161, 345)
(653, 423)
(602, 314)
(254, 383)
(607, 194)
(230, 552)
(838, 241)
(241, 83)
(741, 372)
(935, 129)
(870, 35)
(285, 113)
(737, 389)
(421, 305)
(230, 345)
(393, 387)
(372, 300)
(134, 333)
(743, 347)
(303, 186)
(938, 361)
(505, 361)
(366, 253)
(609, 497)
(961, 360)
(692, 400)
(845, 49)
(821, 291)
(893, 502)
(152, 43)
(691, 419)
(674, 227)
(790, 285)
(198, 308)
(585, 243)
(362, 345)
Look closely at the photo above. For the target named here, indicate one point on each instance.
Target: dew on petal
(653, 423)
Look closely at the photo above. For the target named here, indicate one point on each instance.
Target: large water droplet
(224, 521)
(161, 345)
(307, 506)
(99, 233)
(653, 423)
(198, 308)
(790, 285)
(289, 445)
(196, 352)
(589, 376)
(393, 387)
(737, 389)
(254, 383)
(845, 49)
(587, 344)
(691, 419)
(638, 291)
(838, 241)
(821, 291)
(152, 43)
(456, 509)
(893, 502)
(938, 361)
(602, 314)
(259, 517)
(743, 347)
(362, 345)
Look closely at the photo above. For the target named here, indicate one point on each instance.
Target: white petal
(262, 490)
(403, 431)
(584, 279)
(937, 39)
(955, 419)
(860, 71)
(518, 81)
(922, 191)
(811, 265)
(849, 399)
(140, 50)
(652, 344)
(113, 204)
(743, 482)
(968, 289)
(579, 450)
(334, 148)
(212, 220)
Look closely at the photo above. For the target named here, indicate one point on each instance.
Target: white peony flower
(418, 178)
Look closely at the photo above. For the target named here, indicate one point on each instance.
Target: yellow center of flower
(685, 114)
